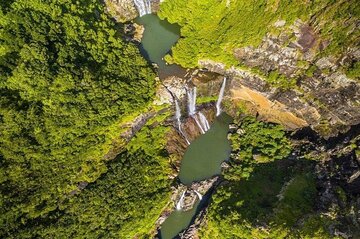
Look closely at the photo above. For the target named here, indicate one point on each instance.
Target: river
(204, 156)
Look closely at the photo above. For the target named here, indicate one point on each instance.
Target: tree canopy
(67, 78)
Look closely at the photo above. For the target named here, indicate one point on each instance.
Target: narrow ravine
(202, 160)
(204, 155)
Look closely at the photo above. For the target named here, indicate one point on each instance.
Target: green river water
(176, 222)
(202, 160)
(204, 156)
(158, 38)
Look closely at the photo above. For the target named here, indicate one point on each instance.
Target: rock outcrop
(337, 178)
(121, 10)
(125, 10)
(169, 88)
(285, 80)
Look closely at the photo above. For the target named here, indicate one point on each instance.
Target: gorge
(179, 119)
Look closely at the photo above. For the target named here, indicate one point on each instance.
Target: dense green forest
(267, 194)
(277, 201)
(67, 78)
(259, 142)
(123, 203)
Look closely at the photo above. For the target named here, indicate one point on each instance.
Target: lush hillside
(276, 202)
(267, 194)
(66, 81)
(212, 29)
(123, 203)
(72, 85)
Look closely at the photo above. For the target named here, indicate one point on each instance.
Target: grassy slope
(211, 30)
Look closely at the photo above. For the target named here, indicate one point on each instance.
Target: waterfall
(198, 124)
(180, 202)
(202, 122)
(178, 118)
(143, 6)
(177, 111)
(198, 194)
(192, 101)
(221, 95)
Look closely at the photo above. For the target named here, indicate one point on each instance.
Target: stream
(203, 157)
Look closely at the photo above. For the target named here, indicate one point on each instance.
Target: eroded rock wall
(287, 80)
(125, 10)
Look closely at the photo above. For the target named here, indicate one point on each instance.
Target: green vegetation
(275, 202)
(212, 30)
(278, 80)
(274, 78)
(215, 36)
(206, 99)
(123, 203)
(354, 71)
(67, 81)
(266, 195)
(310, 71)
(258, 142)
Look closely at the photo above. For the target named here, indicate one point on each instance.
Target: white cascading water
(143, 6)
(203, 124)
(198, 124)
(204, 121)
(221, 95)
(192, 101)
(180, 202)
(198, 194)
(178, 118)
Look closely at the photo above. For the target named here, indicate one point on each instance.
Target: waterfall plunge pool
(158, 38)
(202, 160)
(177, 221)
(205, 154)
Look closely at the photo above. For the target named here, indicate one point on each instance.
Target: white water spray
(221, 95)
(143, 6)
(178, 118)
(192, 101)
(180, 202)
(198, 124)
(198, 194)
(202, 122)
(177, 112)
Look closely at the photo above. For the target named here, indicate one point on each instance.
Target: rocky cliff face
(125, 10)
(121, 10)
(287, 80)
(337, 177)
